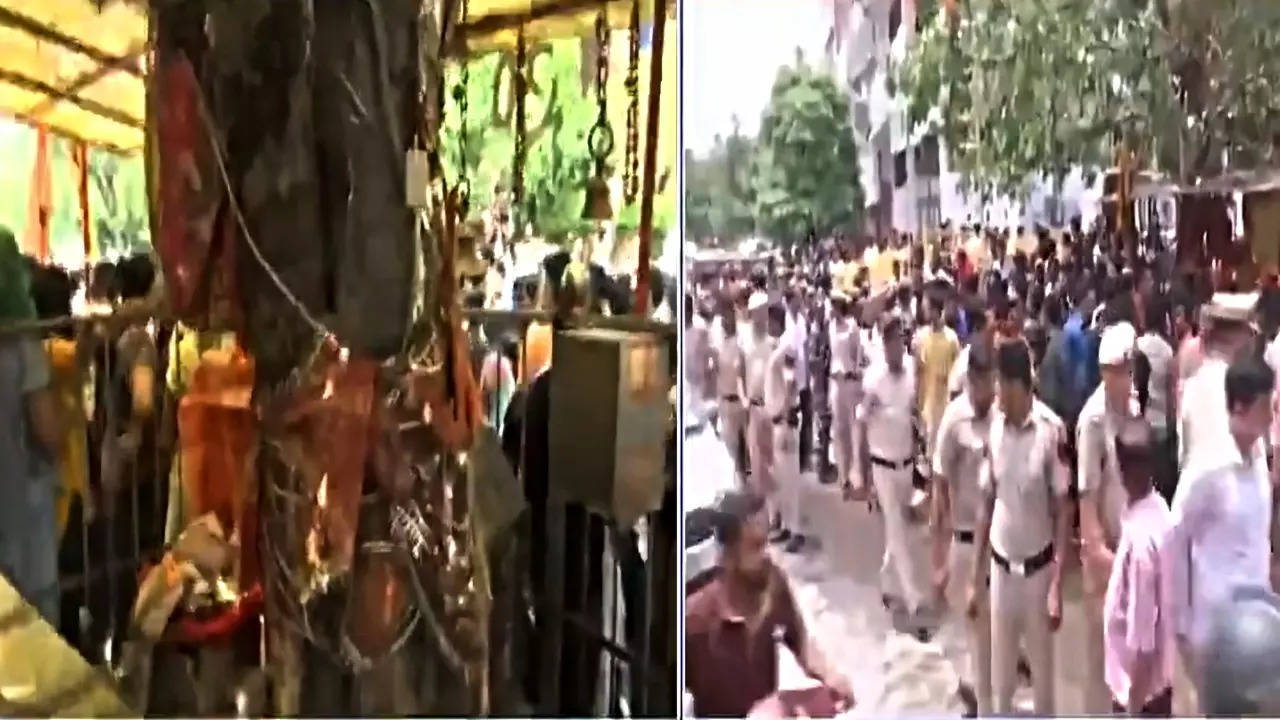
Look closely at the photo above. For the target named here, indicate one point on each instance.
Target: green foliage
(117, 195)
(805, 175)
(1020, 89)
(718, 190)
(559, 116)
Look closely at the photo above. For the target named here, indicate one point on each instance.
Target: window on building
(895, 19)
(900, 169)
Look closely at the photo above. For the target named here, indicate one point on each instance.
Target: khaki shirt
(1026, 471)
(758, 353)
(961, 449)
(1099, 470)
(888, 409)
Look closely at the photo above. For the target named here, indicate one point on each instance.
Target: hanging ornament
(597, 205)
(631, 171)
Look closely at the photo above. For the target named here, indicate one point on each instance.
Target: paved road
(836, 586)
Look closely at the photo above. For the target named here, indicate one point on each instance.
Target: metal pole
(650, 156)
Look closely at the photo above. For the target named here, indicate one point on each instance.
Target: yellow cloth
(537, 350)
(73, 455)
(879, 267)
(937, 351)
(976, 248)
(185, 354)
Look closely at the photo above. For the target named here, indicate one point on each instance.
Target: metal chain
(522, 89)
(460, 97)
(600, 139)
(631, 171)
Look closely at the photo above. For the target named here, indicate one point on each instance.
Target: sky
(732, 51)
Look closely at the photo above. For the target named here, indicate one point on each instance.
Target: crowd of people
(1038, 404)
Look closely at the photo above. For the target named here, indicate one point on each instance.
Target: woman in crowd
(30, 440)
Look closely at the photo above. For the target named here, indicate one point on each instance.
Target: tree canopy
(718, 192)
(805, 174)
(1020, 89)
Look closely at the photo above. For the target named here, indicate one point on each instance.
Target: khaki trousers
(899, 576)
(733, 420)
(1020, 618)
(845, 395)
(967, 642)
(759, 439)
(786, 476)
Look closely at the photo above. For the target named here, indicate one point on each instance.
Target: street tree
(718, 189)
(805, 173)
(1019, 90)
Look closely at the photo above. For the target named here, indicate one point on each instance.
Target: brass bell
(598, 206)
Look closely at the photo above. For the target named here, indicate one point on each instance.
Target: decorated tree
(1019, 90)
(805, 174)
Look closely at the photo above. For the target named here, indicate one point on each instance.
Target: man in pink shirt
(1138, 637)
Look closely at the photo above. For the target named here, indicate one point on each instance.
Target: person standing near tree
(846, 387)
(797, 337)
(936, 350)
(1023, 532)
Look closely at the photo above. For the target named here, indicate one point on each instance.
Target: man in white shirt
(782, 402)
(1202, 411)
(887, 456)
(1102, 494)
(1221, 537)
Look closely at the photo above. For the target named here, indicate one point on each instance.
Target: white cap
(757, 300)
(1116, 345)
(1232, 307)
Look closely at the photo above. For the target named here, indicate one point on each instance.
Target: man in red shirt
(733, 623)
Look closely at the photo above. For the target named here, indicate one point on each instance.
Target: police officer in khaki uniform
(759, 346)
(1102, 495)
(961, 448)
(782, 402)
(888, 453)
(846, 384)
(1022, 533)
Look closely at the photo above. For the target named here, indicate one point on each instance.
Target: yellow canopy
(495, 24)
(75, 69)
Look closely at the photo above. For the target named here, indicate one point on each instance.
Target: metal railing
(610, 633)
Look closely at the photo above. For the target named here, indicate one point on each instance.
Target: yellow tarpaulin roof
(495, 24)
(76, 69)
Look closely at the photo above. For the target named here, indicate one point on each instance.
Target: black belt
(964, 537)
(846, 376)
(791, 417)
(756, 403)
(733, 397)
(1027, 567)
(891, 465)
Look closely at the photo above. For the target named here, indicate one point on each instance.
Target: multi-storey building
(905, 180)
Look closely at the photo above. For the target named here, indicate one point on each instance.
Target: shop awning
(76, 67)
(495, 24)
